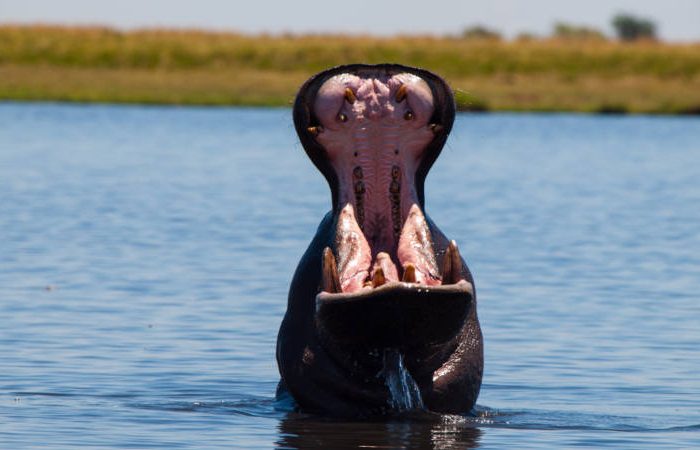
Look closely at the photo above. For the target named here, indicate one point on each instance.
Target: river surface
(146, 254)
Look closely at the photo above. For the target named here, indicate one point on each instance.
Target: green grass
(194, 67)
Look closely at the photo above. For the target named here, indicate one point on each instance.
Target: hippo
(381, 314)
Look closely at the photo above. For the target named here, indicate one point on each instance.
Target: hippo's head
(374, 132)
(381, 294)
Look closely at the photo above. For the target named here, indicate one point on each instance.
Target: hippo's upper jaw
(377, 129)
(382, 274)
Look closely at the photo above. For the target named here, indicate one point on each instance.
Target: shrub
(481, 32)
(577, 32)
(631, 28)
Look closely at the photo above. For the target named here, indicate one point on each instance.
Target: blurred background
(544, 55)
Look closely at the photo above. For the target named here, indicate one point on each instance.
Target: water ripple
(146, 253)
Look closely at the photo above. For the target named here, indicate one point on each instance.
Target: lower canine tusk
(331, 282)
(452, 265)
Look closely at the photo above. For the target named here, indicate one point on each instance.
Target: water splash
(403, 389)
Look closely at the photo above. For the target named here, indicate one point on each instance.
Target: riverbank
(92, 64)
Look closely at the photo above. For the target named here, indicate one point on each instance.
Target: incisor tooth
(331, 282)
(378, 278)
(409, 273)
(452, 264)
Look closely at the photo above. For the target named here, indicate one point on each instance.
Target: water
(403, 390)
(145, 256)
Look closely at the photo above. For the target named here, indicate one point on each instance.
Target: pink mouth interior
(375, 130)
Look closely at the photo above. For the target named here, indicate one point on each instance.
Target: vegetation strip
(93, 64)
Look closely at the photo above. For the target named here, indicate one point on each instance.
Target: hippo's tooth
(350, 96)
(331, 282)
(378, 278)
(435, 128)
(315, 130)
(452, 264)
(401, 93)
(409, 273)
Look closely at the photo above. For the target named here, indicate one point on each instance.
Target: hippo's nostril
(401, 93)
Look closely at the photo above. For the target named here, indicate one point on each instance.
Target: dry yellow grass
(186, 87)
(196, 67)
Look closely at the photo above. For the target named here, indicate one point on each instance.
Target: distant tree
(481, 32)
(576, 32)
(631, 28)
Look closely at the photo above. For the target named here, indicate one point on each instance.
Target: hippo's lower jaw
(376, 308)
(396, 315)
(379, 278)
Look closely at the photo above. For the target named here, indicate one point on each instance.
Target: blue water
(145, 256)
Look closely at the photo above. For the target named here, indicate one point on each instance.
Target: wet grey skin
(378, 275)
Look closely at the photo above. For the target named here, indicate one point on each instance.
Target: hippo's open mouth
(374, 132)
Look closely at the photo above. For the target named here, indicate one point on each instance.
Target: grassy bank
(194, 67)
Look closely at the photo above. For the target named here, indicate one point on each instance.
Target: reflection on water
(427, 431)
